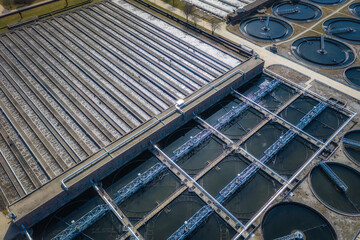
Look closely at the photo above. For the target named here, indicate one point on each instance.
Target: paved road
(268, 56)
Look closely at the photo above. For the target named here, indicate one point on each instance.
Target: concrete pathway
(269, 57)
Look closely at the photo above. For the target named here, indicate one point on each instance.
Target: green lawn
(15, 6)
(47, 8)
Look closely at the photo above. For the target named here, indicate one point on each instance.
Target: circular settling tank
(328, 2)
(297, 11)
(323, 52)
(352, 75)
(347, 29)
(330, 194)
(266, 29)
(288, 218)
(172, 217)
(355, 9)
(352, 151)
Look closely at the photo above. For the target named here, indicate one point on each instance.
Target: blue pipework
(76, 227)
(245, 175)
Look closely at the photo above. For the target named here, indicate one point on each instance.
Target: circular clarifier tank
(323, 52)
(297, 11)
(331, 194)
(352, 75)
(288, 218)
(266, 29)
(347, 29)
(350, 143)
(328, 2)
(355, 9)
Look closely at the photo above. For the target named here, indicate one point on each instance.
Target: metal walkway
(288, 11)
(351, 142)
(117, 212)
(295, 236)
(340, 30)
(245, 175)
(96, 213)
(280, 120)
(332, 175)
(240, 150)
(200, 191)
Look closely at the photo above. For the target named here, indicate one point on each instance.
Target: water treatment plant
(128, 119)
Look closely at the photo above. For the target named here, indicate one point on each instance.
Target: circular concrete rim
(349, 82)
(352, 12)
(344, 149)
(298, 21)
(324, 67)
(326, 4)
(264, 41)
(322, 201)
(300, 204)
(339, 38)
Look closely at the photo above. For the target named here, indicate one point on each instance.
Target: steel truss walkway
(340, 30)
(200, 191)
(288, 11)
(295, 236)
(351, 142)
(99, 211)
(280, 120)
(117, 212)
(240, 150)
(332, 175)
(245, 175)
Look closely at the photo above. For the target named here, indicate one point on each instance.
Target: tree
(188, 10)
(7, 4)
(195, 19)
(215, 24)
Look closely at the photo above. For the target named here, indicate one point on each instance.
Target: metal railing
(245, 175)
(96, 213)
(287, 11)
(158, 120)
(292, 179)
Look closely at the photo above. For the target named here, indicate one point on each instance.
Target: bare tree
(188, 10)
(195, 19)
(215, 24)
